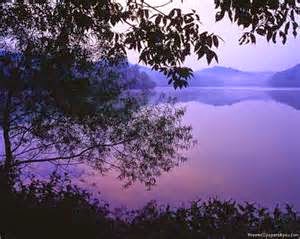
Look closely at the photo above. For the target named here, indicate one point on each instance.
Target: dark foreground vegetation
(59, 105)
(56, 209)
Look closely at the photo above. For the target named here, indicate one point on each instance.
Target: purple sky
(263, 56)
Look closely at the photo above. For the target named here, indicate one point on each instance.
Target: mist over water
(248, 150)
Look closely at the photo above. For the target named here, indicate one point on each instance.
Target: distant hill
(287, 78)
(128, 75)
(135, 77)
(216, 77)
(223, 76)
(141, 77)
(156, 76)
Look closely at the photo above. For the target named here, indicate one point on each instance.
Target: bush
(58, 209)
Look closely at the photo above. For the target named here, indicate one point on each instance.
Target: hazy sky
(263, 56)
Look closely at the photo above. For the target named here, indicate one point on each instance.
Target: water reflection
(219, 96)
(248, 149)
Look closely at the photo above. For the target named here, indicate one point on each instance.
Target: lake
(248, 150)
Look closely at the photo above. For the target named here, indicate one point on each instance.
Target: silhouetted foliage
(50, 80)
(271, 19)
(61, 100)
(90, 117)
(52, 209)
(56, 209)
(62, 103)
(70, 29)
(80, 29)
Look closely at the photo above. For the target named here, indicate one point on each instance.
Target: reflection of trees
(56, 106)
(224, 96)
(61, 107)
(288, 97)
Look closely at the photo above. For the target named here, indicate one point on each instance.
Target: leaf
(209, 57)
(220, 16)
(209, 41)
(295, 26)
(230, 15)
(253, 38)
(242, 40)
(200, 53)
(269, 35)
(261, 31)
(216, 41)
(172, 13)
(158, 20)
(146, 13)
(197, 46)
(284, 38)
(286, 29)
(216, 58)
(274, 37)
(292, 16)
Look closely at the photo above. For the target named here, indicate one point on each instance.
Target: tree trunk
(7, 144)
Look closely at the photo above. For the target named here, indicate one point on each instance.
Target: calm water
(248, 149)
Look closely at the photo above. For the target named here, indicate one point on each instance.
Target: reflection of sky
(247, 151)
(260, 57)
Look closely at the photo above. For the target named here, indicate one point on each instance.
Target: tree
(58, 105)
(87, 29)
(56, 209)
(271, 19)
(86, 118)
